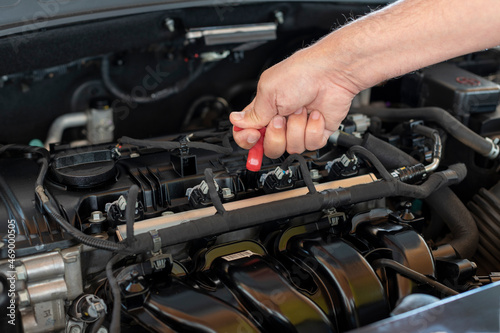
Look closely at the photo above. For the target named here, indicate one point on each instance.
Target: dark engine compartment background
(306, 268)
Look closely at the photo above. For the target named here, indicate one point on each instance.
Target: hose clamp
(495, 149)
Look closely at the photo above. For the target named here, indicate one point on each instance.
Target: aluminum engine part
(50, 280)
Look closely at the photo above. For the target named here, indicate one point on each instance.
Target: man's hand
(301, 100)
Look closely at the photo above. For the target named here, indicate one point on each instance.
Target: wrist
(344, 63)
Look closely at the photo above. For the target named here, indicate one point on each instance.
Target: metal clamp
(156, 242)
(184, 145)
(334, 218)
(495, 149)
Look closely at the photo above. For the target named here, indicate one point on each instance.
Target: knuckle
(295, 150)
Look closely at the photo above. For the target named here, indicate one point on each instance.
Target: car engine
(127, 206)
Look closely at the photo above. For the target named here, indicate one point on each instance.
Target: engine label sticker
(239, 255)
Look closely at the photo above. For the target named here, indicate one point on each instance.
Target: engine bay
(127, 206)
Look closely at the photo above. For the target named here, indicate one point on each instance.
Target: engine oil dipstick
(256, 153)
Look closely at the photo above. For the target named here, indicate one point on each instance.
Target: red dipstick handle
(255, 154)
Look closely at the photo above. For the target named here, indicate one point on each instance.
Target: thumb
(253, 117)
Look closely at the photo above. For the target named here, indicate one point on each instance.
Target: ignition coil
(278, 180)
(343, 167)
(199, 197)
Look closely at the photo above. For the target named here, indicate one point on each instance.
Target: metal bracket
(156, 242)
(158, 259)
(334, 218)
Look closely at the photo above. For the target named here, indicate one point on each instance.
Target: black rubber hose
(115, 291)
(303, 168)
(133, 192)
(168, 145)
(390, 156)
(253, 216)
(446, 204)
(458, 219)
(156, 96)
(345, 140)
(413, 275)
(439, 116)
(436, 181)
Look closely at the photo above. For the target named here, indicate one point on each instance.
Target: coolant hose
(446, 204)
(439, 116)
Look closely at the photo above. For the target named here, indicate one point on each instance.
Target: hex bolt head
(21, 273)
(227, 193)
(75, 329)
(315, 175)
(96, 216)
(24, 298)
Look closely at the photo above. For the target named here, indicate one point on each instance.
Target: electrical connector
(343, 166)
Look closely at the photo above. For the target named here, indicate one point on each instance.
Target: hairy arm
(303, 99)
(409, 35)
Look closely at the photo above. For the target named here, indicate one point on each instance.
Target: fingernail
(253, 138)
(299, 111)
(315, 115)
(278, 122)
(238, 115)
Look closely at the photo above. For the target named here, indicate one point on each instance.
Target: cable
(169, 145)
(50, 209)
(156, 96)
(130, 212)
(369, 156)
(414, 275)
(53, 213)
(303, 167)
(77, 234)
(115, 291)
(212, 191)
(47, 205)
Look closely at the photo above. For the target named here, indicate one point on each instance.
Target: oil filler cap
(84, 169)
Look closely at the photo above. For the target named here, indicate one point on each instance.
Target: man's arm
(303, 99)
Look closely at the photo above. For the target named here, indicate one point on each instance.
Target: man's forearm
(408, 35)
